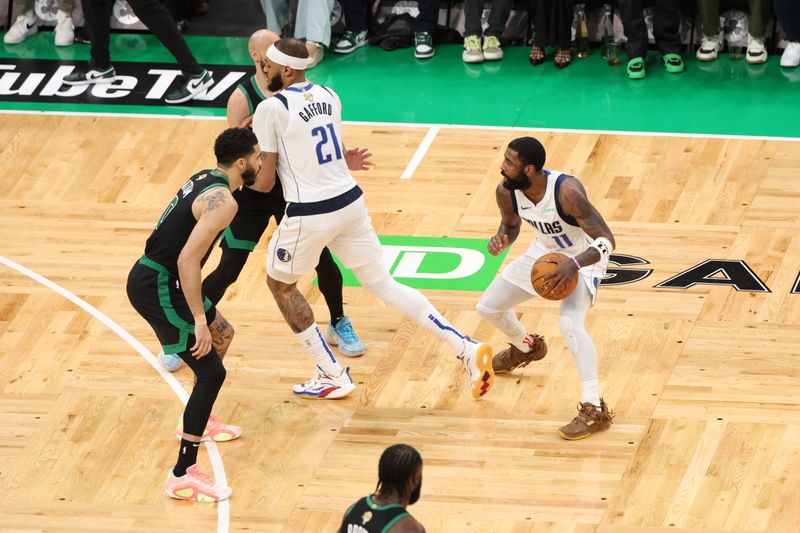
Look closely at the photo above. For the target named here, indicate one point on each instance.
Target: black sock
(336, 320)
(187, 456)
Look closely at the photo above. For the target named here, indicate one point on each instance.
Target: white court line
(420, 153)
(425, 125)
(223, 507)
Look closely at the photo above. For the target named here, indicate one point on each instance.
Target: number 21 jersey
(303, 125)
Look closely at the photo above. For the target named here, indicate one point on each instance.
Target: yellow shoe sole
(484, 360)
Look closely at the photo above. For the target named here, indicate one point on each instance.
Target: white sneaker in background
(65, 29)
(756, 50)
(710, 47)
(791, 55)
(23, 27)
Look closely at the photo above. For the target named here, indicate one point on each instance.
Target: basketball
(546, 264)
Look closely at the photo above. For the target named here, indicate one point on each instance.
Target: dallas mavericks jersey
(555, 230)
(303, 124)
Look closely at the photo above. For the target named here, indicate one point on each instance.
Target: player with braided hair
(399, 485)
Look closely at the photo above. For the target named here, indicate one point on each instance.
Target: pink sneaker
(215, 430)
(195, 486)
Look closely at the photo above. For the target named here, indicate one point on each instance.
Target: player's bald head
(260, 41)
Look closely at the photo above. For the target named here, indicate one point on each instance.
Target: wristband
(576, 262)
(602, 245)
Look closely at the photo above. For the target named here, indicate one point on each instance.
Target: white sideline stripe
(425, 125)
(223, 507)
(420, 153)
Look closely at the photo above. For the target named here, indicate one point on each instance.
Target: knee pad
(566, 326)
(487, 313)
(373, 276)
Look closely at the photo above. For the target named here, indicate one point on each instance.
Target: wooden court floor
(704, 380)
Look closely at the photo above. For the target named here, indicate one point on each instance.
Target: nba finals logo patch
(284, 255)
(366, 517)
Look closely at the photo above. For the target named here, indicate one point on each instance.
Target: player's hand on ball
(498, 243)
(202, 344)
(561, 276)
(358, 159)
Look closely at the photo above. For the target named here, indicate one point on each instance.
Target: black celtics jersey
(177, 221)
(252, 93)
(365, 516)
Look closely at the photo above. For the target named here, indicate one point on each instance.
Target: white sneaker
(24, 27)
(492, 49)
(327, 387)
(472, 50)
(756, 50)
(316, 53)
(65, 29)
(709, 48)
(477, 360)
(791, 55)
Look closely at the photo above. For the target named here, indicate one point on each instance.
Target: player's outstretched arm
(510, 222)
(213, 210)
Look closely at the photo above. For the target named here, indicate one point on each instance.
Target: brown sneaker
(512, 357)
(588, 421)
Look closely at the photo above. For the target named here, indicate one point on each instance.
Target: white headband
(276, 56)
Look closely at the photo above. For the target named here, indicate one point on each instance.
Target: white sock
(520, 344)
(571, 323)
(591, 392)
(320, 351)
(414, 305)
(439, 326)
(508, 323)
(585, 355)
(30, 16)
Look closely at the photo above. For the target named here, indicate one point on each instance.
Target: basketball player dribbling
(557, 207)
(300, 128)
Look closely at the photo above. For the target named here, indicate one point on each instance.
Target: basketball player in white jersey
(556, 205)
(301, 128)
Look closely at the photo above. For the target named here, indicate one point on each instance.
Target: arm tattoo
(586, 212)
(214, 199)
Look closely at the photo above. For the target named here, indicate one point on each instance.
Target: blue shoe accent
(170, 361)
(344, 338)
